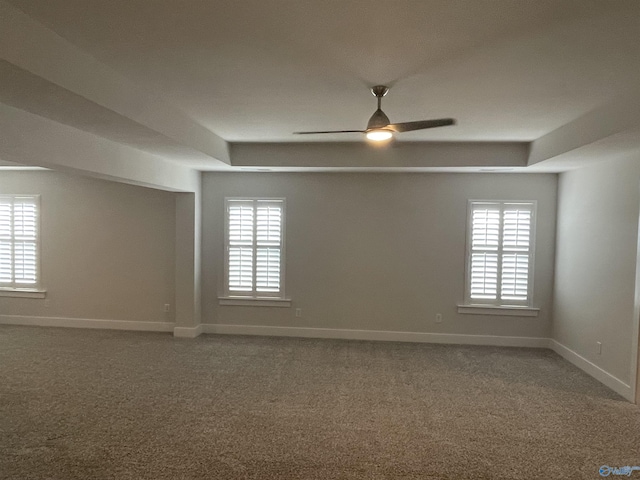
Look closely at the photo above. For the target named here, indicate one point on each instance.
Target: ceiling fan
(380, 127)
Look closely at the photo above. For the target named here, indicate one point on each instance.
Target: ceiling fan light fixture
(380, 129)
(379, 134)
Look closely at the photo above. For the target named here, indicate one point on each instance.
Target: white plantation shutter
(269, 238)
(485, 240)
(240, 230)
(19, 241)
(255, 246)
(484, 275)
(516, 242)
(6, 241)
(500, 252)
(515, 276)
(517, 227)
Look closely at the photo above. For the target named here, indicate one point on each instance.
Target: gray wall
(597, 237)
(377, 251)
(108, 249)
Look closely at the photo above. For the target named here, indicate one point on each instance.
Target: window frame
(26, 290)
(491, 305)
(254, 297)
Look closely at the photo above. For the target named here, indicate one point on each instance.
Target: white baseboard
(582, 363)
(592, 369)
(187, 332)
(378, 335)
(86, 323)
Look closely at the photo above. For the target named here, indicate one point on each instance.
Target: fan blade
(420, 125)
(329, 131)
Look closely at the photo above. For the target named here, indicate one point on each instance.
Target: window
(19, 242)
(500, 253)
(255, 248)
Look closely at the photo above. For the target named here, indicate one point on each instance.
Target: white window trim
(254, 302)
(35, 291)
(475, 307)
(230, 298)
(22, 292)
(500, 310)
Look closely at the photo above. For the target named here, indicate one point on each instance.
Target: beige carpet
(83, 404)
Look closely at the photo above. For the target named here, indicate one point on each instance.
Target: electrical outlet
(298, 312)
(438, 318)
(599, 347)
(167, 307)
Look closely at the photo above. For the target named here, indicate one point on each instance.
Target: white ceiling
(258, 70)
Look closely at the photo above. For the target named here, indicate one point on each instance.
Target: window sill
(22, 292)
(511, 311)
(255, 302)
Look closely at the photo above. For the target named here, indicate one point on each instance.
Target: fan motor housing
(378, 120)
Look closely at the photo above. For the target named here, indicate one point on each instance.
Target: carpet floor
(88, 404)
